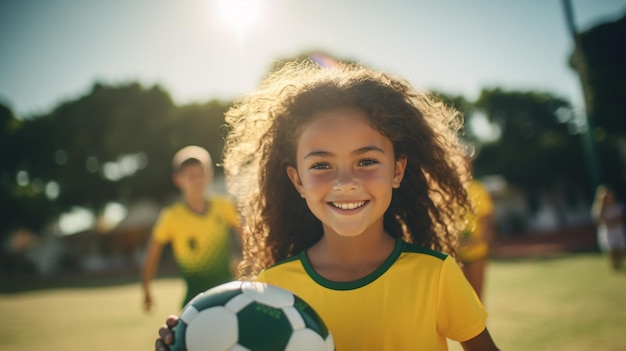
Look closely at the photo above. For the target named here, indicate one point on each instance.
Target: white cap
(192, 152)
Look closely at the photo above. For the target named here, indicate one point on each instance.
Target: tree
(604, 70)
(14, 199)
(536, 149)
(114, 144)
(202, 125)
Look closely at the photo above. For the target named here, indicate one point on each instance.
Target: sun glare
(239, 14)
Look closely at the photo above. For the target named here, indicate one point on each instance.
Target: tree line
(112, 145)
(115, 143)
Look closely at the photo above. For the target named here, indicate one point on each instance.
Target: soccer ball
(252, 316)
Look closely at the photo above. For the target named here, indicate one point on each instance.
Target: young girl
(350, 183)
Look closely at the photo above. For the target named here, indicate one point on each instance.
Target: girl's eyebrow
(317, 153)
(367, 149)
(358, 151)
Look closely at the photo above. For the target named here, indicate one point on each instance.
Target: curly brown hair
(264, 127)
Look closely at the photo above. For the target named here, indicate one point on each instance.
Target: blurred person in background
(204, 231)
(608, 215)
(474, 242)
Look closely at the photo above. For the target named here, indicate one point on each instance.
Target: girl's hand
(165, 334)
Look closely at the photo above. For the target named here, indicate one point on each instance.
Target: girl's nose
(345, 181)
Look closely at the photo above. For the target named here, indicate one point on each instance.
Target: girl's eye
(320, 166)
(368, 162)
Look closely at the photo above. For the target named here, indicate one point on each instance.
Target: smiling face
(346, 171)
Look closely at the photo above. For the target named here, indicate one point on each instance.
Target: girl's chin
(348, 232)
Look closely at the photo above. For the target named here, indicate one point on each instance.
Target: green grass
(79, 319)
(573, 302)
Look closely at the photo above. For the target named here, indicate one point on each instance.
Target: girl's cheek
(317, 180)
(375, 176)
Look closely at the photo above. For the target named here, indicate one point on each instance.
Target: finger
(171, 321)
(160, 346)
(166, 335)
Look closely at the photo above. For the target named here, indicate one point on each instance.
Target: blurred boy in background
(199, 228)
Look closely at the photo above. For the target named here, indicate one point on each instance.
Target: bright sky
(52, 51)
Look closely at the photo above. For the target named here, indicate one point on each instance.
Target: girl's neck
(340, 258)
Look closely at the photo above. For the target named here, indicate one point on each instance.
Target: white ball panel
(330, 342)
(239, 348)
(268, 294)
(295, 318)
(233, 285)
(189, 314)
(238, 302)
(212, 329)
(305, 340)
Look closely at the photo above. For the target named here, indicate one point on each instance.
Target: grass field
(572, 302)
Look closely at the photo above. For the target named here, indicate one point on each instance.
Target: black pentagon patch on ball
(312, 320)
(263, 328)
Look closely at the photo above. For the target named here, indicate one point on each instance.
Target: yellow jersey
(201, 242)
(414, 301)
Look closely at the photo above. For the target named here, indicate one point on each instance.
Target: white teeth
(348, 205)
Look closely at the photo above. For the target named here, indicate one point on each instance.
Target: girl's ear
(293, 175)
(398, 172)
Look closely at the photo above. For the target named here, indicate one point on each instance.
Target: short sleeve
(162, 230)
(461, 315)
